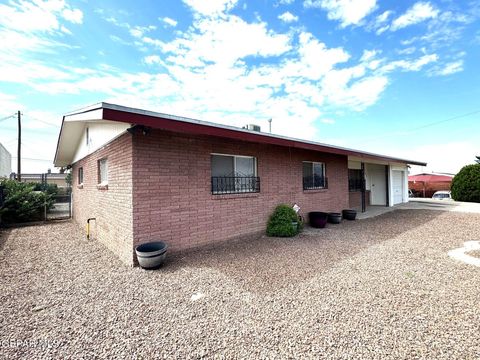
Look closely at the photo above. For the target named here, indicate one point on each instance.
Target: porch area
(376, 184)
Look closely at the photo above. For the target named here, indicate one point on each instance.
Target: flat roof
(157, 120)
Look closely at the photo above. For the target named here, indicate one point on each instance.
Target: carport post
(363, 187)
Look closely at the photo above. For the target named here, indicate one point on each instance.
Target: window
(314, 175)
(103, 172)
(234, 174)
(355, 180)
(80, 176)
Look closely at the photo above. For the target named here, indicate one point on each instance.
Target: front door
(378, 186)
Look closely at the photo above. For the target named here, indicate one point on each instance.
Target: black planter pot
(334, 218)
(317, 219)
(151, 255)
(349, 214)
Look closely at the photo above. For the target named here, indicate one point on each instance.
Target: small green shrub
(466, 184)
(280, 222)
(23, 203)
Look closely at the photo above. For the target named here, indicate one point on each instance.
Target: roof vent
(252, 127)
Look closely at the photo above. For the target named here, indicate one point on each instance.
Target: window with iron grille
(80, 175)
(103, 172)
(233, 174)
(314, 176)
(355, 180)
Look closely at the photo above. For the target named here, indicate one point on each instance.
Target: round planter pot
(349, 214)
(334, 218)
(295, 225)
(151, 255)
(317, 219)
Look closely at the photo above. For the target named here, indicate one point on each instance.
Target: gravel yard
(380, 288)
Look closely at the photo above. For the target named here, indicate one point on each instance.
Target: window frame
(102, 182)
(80, 175)
(255, 176)
(355, 180)
(324, 177)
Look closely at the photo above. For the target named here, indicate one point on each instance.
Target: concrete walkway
(422, 204)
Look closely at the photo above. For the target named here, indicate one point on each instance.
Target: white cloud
(25, 16)
(75, 16)
(451, 68)
(286, 2)
(419, 12)
(169, 21)
(210, 7)
(447, 157)
(410, 65)
(152, 59)
(348, 12)
(226, 41)
(328, 121)
(288, 17)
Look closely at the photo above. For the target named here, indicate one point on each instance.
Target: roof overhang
(74, 122)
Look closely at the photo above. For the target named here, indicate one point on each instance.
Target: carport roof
(110, 112)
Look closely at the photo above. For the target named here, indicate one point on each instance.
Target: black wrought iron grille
(235, 184)
(355, 184)
(315, 182)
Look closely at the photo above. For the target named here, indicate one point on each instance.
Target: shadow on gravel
(4, 234)
(268, 264)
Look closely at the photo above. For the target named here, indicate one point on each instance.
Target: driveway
(380, 288)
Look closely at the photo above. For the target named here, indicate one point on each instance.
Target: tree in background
(466, 184)
(477, 160)
(23, 203)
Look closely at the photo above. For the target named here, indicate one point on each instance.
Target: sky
(399, 78)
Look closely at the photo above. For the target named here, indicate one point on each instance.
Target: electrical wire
(409, 132)
(7, 117)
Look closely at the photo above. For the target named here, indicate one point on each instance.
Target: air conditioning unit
(252, 127)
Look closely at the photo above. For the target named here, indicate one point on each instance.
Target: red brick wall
(172, 198)
(355, 199)
(111, 207)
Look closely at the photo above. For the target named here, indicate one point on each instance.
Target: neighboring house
(426, 184)
(50, 178)
(150, 176)
(5, 162)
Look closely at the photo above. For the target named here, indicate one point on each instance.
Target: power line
(26, 158)
(43, 122)
(408, 132)
(7, 117)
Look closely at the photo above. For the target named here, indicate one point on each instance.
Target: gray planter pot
(151, 255)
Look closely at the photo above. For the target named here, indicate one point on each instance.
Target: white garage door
(397, 184)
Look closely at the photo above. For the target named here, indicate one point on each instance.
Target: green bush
(466, 184)
(280, 222)
(23, 203)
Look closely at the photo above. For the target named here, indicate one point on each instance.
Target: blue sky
(398, 78)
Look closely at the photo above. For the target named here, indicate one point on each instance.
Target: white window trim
(78, 174)
(240, 156)
(105, 182)
(313, 167)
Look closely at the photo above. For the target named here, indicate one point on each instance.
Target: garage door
(397, 183)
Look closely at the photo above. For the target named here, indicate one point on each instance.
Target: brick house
(145, 175)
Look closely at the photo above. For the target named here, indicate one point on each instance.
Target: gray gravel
(381, 288)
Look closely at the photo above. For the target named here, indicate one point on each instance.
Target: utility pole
(19, 151)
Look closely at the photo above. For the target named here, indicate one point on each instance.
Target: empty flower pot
(317, 219)
(349, 214)
(334, 218)
(151, 255)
